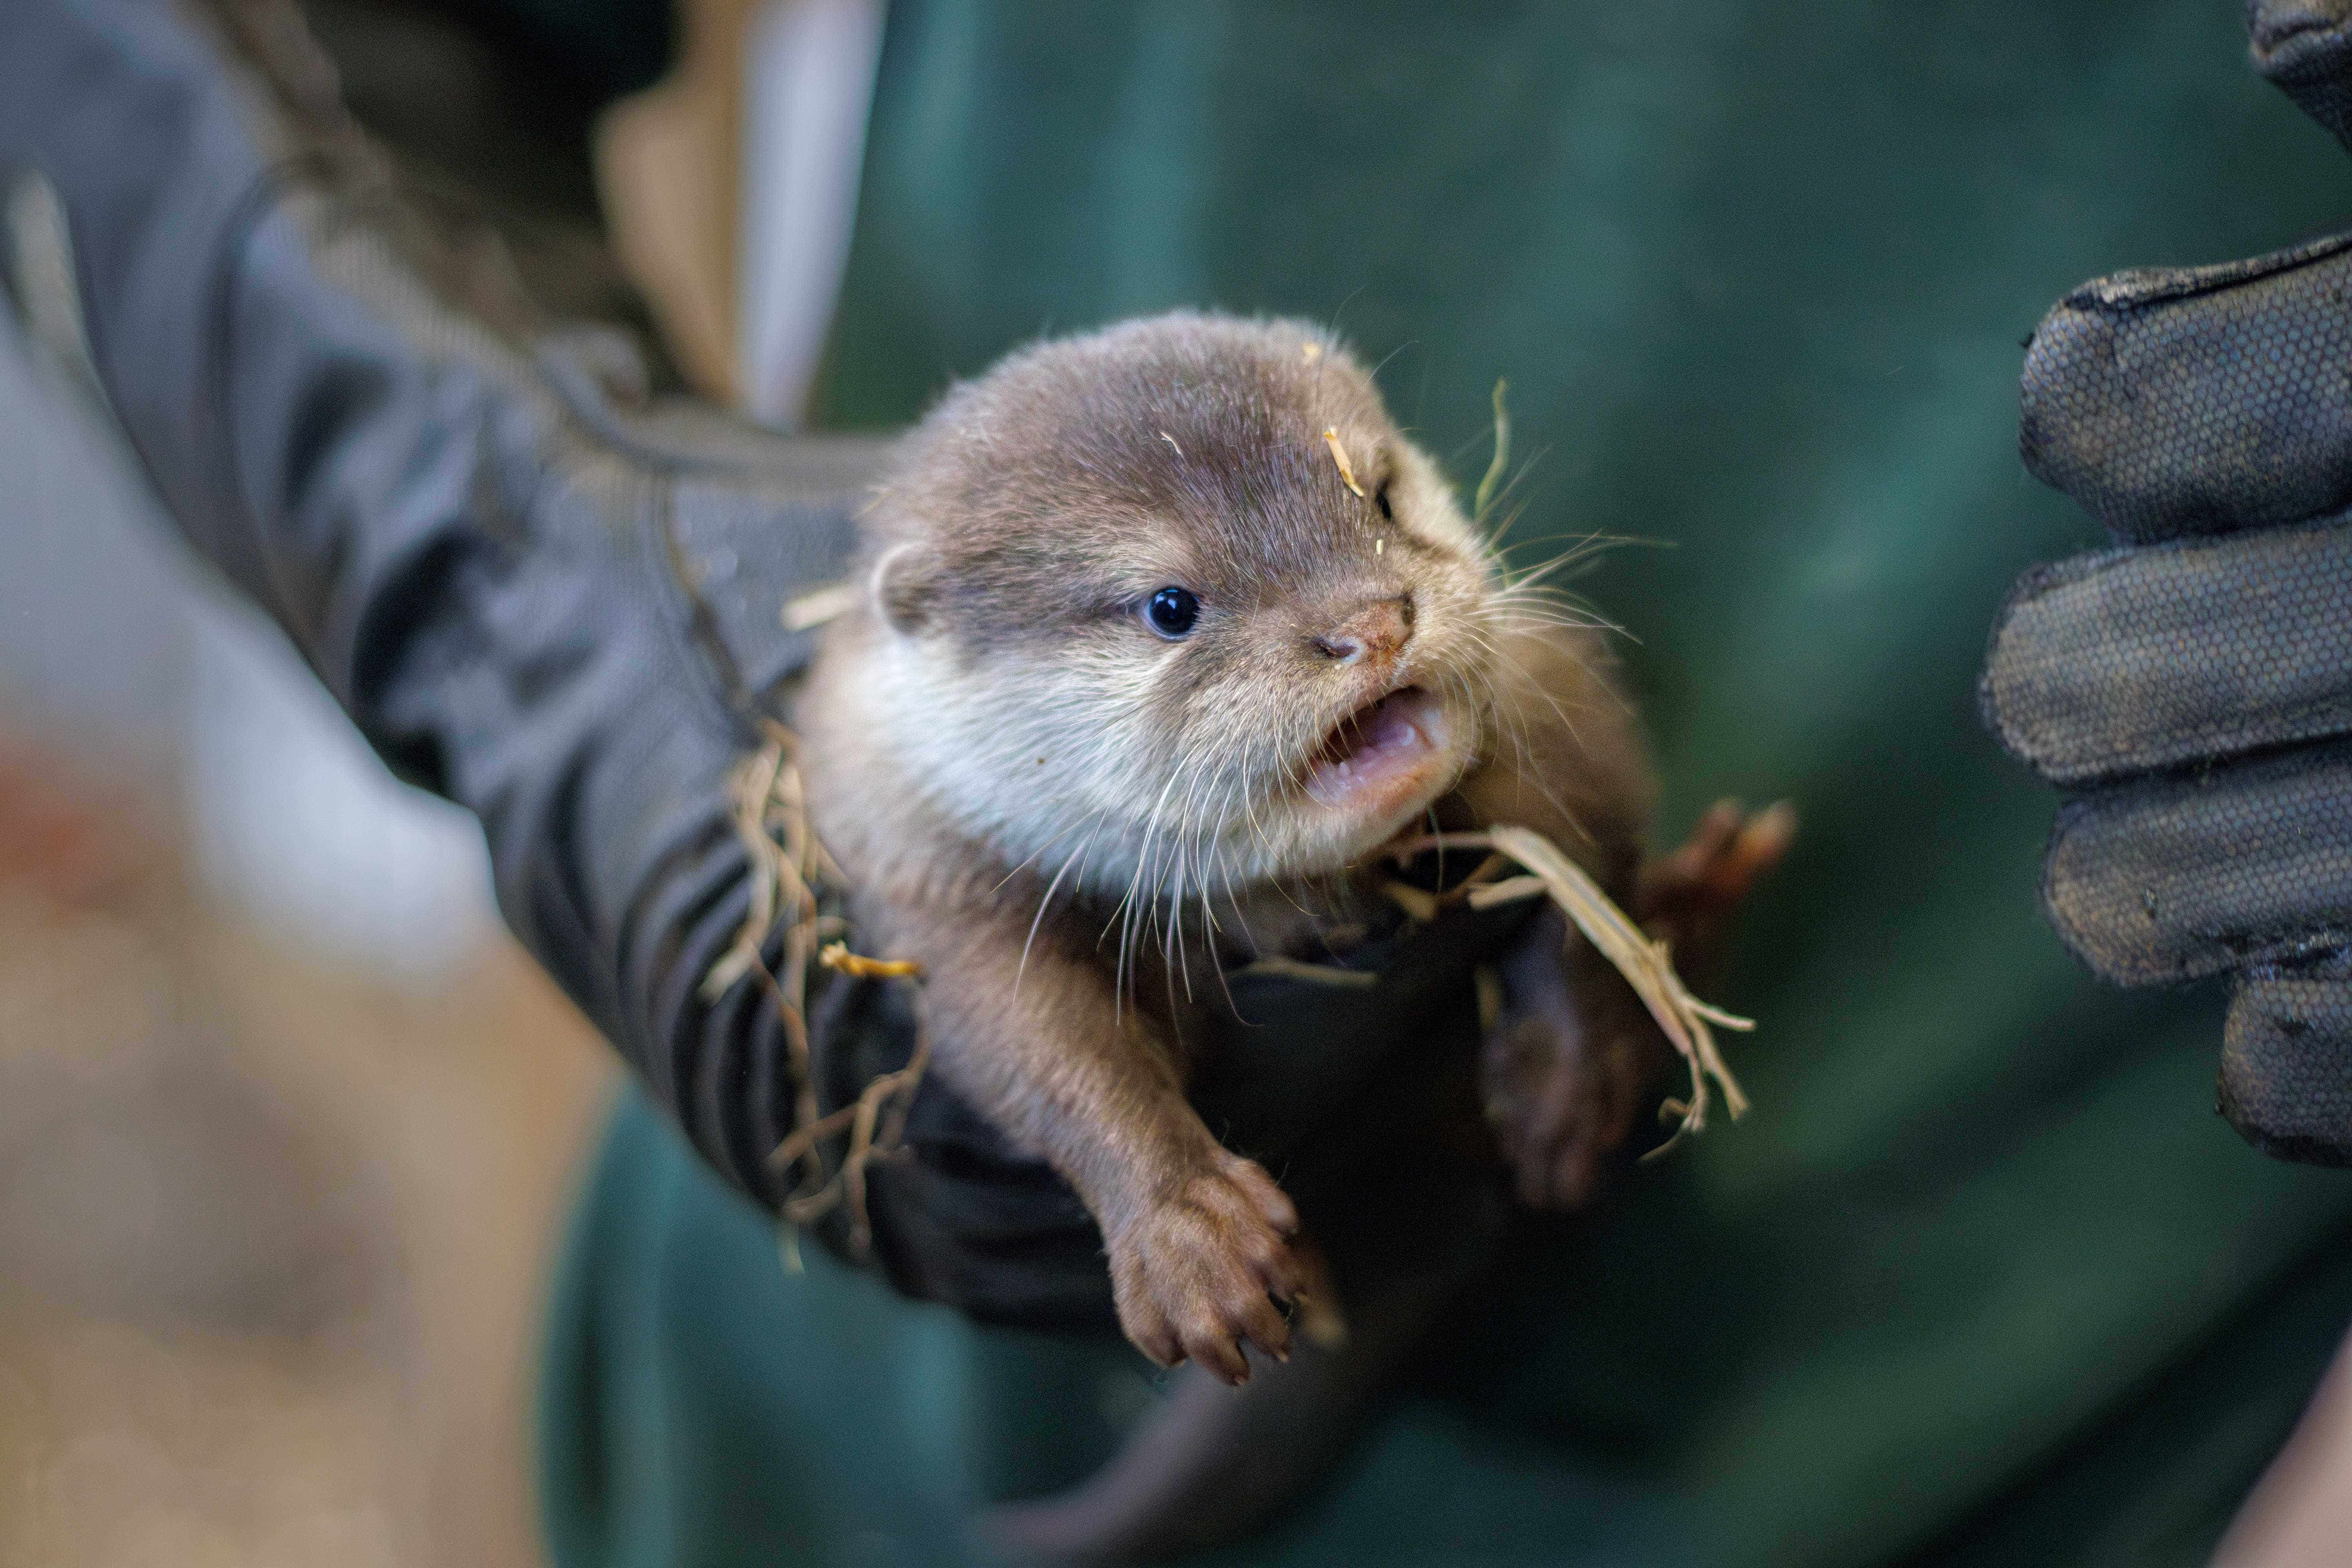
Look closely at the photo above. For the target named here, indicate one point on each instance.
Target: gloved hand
(557, 604)
(2191, 691)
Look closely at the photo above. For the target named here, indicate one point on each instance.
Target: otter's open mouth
(1381, 754)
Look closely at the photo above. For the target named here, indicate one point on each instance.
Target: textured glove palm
(2192, 691)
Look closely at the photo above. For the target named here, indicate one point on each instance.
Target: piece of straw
(1646, 966)
(1485, 496)
(805, 612)
(787, 864)
(837, 955)
(1314, 973)
(1339, 455)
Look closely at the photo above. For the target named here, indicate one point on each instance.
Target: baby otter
(1168, 635)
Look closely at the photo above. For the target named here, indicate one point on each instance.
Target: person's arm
(2300, 1515)
(562, 611)
(486, 565)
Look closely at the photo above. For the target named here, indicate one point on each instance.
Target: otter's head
(1140, 623)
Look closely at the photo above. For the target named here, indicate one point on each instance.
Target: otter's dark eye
(1172, 612)
(1381, 500)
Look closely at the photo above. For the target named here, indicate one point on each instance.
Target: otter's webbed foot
(1687, 899)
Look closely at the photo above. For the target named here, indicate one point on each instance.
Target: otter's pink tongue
(1380, 754)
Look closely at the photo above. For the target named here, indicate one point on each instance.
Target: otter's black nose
(1378, 629)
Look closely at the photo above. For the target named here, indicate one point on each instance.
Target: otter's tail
(1213, 1465)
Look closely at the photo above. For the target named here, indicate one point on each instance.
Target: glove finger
(2172, 879)
(2286, 1063)
(2134, 661)
(2180, 401)
(2302, 46)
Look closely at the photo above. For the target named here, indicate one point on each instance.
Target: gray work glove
(559, 603)
(2191, 691)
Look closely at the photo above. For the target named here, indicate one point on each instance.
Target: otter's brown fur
(1009, 762)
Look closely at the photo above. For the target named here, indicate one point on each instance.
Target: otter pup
(1166, 634)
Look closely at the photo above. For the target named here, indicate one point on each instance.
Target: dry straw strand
(1502, 460)
(1339, 455)
(1646, 965)
(787, 867)
(1313, 973)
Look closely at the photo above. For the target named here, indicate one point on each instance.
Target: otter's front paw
(1196, 1273)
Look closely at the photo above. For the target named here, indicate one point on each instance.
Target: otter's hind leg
(1573, 1063)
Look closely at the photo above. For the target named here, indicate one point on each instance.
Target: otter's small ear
(905, 584)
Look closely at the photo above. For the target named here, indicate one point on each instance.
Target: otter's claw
(1196, 1275)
